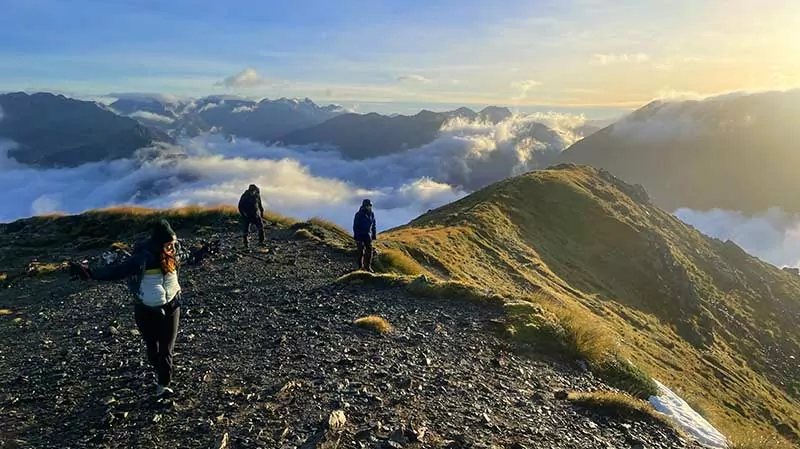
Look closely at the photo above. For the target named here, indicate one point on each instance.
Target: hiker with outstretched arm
(252, 213)
(364, 234)
(152, 271)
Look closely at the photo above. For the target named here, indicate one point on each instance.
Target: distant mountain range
(361, 136)
(737, 152)
(263, 120)
(53, 130)
(295, 122)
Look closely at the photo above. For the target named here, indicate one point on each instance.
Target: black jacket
(364, 225)
(250, 204)
(145, 257)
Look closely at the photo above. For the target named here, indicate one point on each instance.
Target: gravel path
(267, 351)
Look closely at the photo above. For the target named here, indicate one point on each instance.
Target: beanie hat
(162, 232)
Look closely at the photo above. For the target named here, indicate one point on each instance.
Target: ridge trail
(267, 351)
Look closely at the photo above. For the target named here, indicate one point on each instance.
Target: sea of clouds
(305, 182)
(300, 182)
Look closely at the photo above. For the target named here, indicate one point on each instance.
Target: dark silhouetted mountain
(494, 114)
(52, 130)
(263, 120)
(735, 152)
(361, 136)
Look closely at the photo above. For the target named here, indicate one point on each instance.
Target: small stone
(224, 443)
(336, 420)
(113, 330)
(561, 395)
(156, 418)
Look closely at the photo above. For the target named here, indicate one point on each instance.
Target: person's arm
(355, 225)
(130, 267)
(260, 207)
(196, 255)
(374, 234)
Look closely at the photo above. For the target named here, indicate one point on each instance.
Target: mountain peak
(579, 236)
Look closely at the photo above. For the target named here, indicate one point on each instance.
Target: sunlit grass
(374, 323)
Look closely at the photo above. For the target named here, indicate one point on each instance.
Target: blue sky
(589, 56)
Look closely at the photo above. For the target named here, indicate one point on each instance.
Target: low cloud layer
(300, 182)
(773, 236)
(152, 117)
(303, 182)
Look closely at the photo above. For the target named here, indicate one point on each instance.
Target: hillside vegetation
(715, 324)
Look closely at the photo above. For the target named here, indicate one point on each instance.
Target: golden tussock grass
(749, 439)
(619, 405)
(391, 260)
(374, 323)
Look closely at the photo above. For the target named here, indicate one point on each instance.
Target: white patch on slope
(152, 116)
(772, 235)
(688, 420)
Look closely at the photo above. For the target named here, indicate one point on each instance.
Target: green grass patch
(747, 439)
(375, 279)
(391, 260)
(305, 234)
(618, 405)
(564, 329)
(374, 323)
(43, 269)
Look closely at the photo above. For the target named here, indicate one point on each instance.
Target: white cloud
(152, 116)
(524, 86)
(139, 96)
(413, 78)
(772, 235)
(300, 182)
(246, 78)
(618, 58)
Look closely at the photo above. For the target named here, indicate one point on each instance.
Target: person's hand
(78, 271)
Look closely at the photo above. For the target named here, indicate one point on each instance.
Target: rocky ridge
(267, 356)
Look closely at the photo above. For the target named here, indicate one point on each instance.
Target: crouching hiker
(252, 213)
(152, 271)
(364, 234)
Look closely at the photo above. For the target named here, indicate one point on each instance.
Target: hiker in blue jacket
(152, 271)
(364, 234)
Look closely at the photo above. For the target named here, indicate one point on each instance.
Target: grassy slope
(699, 314)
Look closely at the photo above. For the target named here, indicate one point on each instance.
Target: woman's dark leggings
(159, 327)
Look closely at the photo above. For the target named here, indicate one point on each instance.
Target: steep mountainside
(361, 136)
(266, 352)
(735, 152)
(698, 314)
(52, 130)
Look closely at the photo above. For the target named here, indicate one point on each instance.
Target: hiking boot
(163, 392)
(262, 237)
(246, 243)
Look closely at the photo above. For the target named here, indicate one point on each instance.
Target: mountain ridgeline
(362, 136)
(52, 130)
(264, 120)
(297, 122)
(736, 152)
(697, 313)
